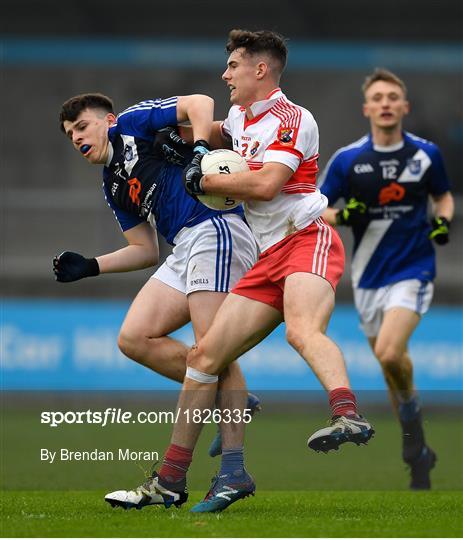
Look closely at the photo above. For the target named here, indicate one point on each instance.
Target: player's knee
(299, 339)
(199, 360)
(124, 343)
(389, 357)
(130, 344)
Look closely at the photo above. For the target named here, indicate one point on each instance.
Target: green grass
(269, 514)
(358, 491)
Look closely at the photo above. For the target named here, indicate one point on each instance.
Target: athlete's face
(89, 134)
(385, 105)
(242, 75)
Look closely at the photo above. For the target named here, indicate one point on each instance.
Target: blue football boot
(420, 469)
(225, 490)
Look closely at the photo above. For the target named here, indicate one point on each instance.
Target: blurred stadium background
(57, 336)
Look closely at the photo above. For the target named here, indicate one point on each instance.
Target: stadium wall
(72, 345)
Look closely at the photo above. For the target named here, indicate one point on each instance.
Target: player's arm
(443, 210)
(261, 185)
(443, 205)
(218, 138)
(141, 252)
(329, 215)
(333, 184)
(198, 109)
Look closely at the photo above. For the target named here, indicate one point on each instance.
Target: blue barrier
(210, 54)
(72, 345)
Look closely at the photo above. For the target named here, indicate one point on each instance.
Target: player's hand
(201, 147)
(170, 146)
(440, 230)
(192, 176)
(352, 213)
(71, 266)
(192, 173)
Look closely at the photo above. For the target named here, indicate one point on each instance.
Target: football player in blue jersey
(386, 179)
(211, 249)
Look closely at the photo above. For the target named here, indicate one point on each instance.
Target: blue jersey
(391, 244)
(139, 184)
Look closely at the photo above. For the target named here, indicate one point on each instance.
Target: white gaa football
(221, 162)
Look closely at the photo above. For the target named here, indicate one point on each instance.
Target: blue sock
(409, 410)
(232, 460)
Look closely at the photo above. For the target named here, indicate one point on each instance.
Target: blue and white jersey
(391, 244)
(140, 185)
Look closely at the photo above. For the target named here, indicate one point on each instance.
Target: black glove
(201, 147)
(352, 213)
(170, 146)
(440, 230)
(192, 173)
(192, 177)
(71, 266)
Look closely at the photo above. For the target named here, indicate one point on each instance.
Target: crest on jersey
(128, 153)
(254, 148)
(287, 136)
(414, 166)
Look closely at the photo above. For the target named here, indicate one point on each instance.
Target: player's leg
(231, 397)
(231, 386)
(308, 304)
(232, 394)
(390, 348)
(239, 324)
(157, 310)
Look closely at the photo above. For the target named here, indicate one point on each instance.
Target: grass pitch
(269, 514)
(356, 492)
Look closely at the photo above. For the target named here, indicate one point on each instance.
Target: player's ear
(111, 119)
(406, 107)
(366, 112)
(261, 70)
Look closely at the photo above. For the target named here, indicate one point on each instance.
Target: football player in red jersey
(294, 280)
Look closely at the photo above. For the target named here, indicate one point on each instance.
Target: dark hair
(71, 108)
(263, 41)
(381, 74)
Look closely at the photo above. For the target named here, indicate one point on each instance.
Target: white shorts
(371, 304)
(211, 256)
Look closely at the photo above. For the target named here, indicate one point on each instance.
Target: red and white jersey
(282, 132)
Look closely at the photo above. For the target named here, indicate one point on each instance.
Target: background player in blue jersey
(386, 179)
(212, 249)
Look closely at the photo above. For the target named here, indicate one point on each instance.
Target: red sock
(342, 402)
(176, 462)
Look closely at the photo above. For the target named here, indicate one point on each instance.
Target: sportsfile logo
(112, 415)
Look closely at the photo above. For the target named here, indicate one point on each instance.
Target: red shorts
(317, 249)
